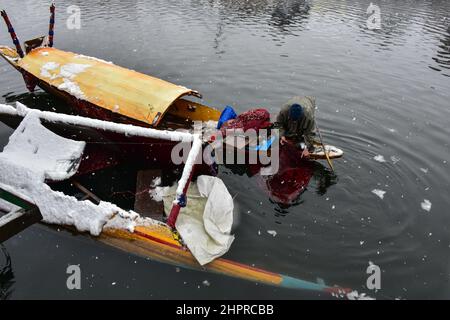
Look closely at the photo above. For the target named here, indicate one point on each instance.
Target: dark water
(380, 92)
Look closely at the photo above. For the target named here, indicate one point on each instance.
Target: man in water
(296, 123)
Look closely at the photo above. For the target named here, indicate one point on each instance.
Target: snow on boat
(131, 110)
(102, 90)
(58, 158)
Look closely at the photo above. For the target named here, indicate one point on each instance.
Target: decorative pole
(51, 25)
(181, 202)
(12, 33)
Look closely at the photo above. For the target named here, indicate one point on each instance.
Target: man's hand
(305, 153)
(283, 140)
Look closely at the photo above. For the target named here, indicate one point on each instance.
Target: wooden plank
(87, 192)
(15, 222)
(8, 196)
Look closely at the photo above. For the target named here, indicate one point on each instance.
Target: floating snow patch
(379, 193)
(206, 283)
(426, 205)
(379, 158)
(273, 233)
(395, 159)
(424, 170)
(354, 295)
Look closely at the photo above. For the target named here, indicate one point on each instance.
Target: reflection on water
(442, 57)
(324, 177)
(289, 12)
(292, 179)
(6, 274)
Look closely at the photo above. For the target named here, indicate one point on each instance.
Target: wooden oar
(324, 150)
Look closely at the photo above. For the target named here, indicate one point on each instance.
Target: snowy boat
(102, 90)
(98, 89)
(124, 116)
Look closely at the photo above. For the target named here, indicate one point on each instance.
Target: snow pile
(70, 70)
(67, 73)
(129, 220)
(33, 146)
(35, 154)
(72, 88)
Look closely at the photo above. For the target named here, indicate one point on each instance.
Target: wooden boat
(157, 241)
(109, 92)
(98, 89)
(101, 90)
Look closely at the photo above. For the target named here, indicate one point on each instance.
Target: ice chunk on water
(354, 295)
(426, 205)
(273, 233)
(395, 159)
(379, 193)
(379, 158)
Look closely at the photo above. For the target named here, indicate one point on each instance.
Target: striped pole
(180, 203)
(13, 34)
(51, 25)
